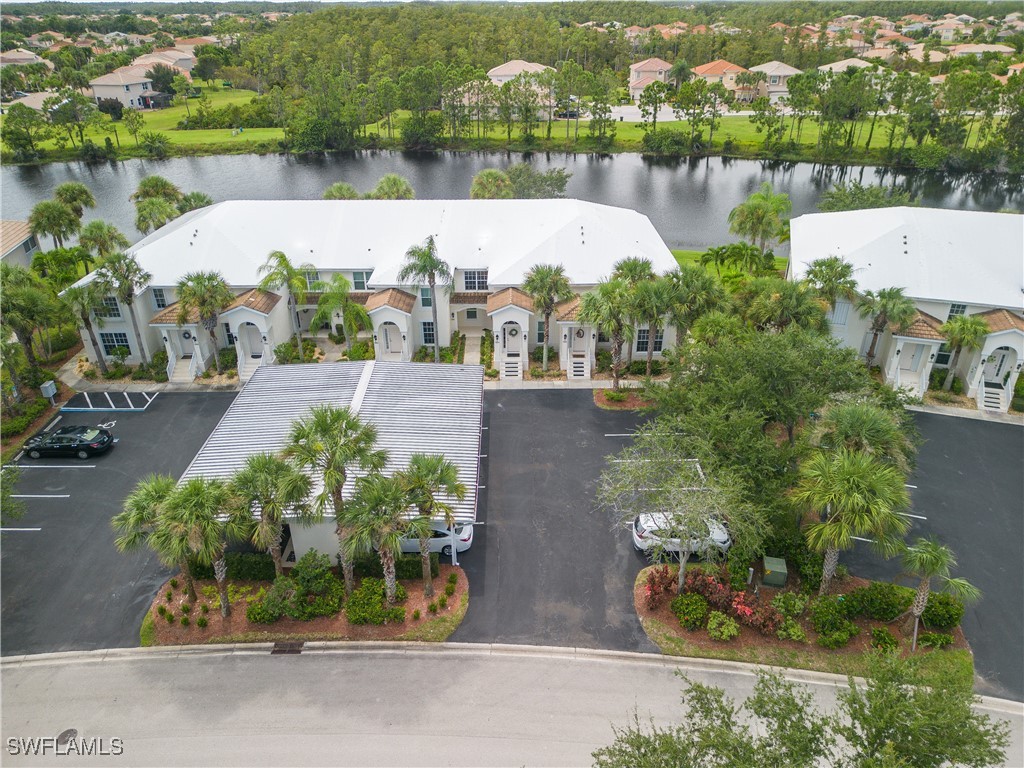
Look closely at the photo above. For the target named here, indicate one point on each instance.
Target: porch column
(894, 363)
(975, 376)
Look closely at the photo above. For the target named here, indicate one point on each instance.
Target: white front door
(995, 365)
(910, 358)
(578, 342)
(512, 339)
(253, 341)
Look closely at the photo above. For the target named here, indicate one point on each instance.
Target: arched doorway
(392, 343)
(250, 342)
(998, 367)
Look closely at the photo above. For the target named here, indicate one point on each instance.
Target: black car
(82, 442)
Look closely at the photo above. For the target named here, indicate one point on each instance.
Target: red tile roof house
(725, 72)
(645, 72)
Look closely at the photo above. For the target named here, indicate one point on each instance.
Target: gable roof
(652, 63)
(923, 326)
(391, 297)
(718, 67)
(1003, 320)
(969, 257)
(507, 297)
(845, 64)
(568, 310)
(515, 67)
(776, 68)
(254, 299)
(123, 76)
(12, 234)
(506, 237)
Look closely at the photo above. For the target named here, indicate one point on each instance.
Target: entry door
(994, 369)
(254, 341)
(911, 357)
(512, 340)
(579, 341)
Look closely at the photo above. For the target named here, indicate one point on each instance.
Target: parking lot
(65, 586)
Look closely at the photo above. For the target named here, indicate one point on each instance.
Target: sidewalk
(70, 378)
(967, 413)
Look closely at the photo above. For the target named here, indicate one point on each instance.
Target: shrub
(943, 611)
(661, 581)
(936, 377)
(312, 573)
(828, 617)
(603, 360)
(491, 373)
(791, 630)
(883, 640)
(763, 618)
(228, 357)
(90, 373)
(204, 608)
(201, 622)
(934, 639)
(442, 602)
(27, 413)
(406, 566)
(184, 621)
(367, 605)
(957, 387)
(639, 367)
(721, 627)
(170, 617)
(449, 589)
(691, 609)
(361, 350)
(258, 613)
(186, 608)
(173, 583)
(432, 607)
(738, 570)
(537, 354)
(790, 544)
(718, 594)
(615, 396)
(879, 601)
(453, 578)
(416, 615)
(943, 396)
(790, 604)
(242, 566)
(168, 596)
(161, 610)
(837, 639)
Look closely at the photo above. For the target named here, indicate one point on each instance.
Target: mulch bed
(321, 628)
(634, 401)
(752, 643)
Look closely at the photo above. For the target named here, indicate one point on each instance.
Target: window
(956, 309)
(111, 341)
(31, 243)
(428, 332)
(602, 337)
(540, 332)
(471, 314)
(840, 313)
(145, 86)
(133, 101)
(659, 341)
(311, 279)
(127, 89)
(159, 299)
(228, 335)
(773, 80)
(359, 280)
(643, 335)
(943, 355)
(476, 279)
(108, 308)
(425, 298)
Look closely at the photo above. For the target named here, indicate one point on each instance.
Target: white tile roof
(506, 237)
(416, 408)
(943, 255)
(776, 68)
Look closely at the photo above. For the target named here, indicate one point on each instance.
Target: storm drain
(293, 648)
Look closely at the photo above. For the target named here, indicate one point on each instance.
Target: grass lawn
(684, 256)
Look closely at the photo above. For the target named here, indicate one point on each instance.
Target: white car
(653, 530)
(441, 540)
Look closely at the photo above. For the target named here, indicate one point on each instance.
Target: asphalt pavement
(340, 704)
(967, 492)
(65, 586)
(546, 567)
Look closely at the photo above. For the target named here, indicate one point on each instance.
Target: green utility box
(775, 573)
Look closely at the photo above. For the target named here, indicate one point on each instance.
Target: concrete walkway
(472, 356)
(967, 413)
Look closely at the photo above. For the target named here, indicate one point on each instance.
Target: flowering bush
(660, 582)
(691, 610)
(719, 595)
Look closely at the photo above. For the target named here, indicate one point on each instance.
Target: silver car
(441, 540)
(655, 531)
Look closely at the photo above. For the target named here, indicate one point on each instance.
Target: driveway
(65, 586)
(546, 568)
(968, 487)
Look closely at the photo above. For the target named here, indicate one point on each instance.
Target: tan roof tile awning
(1002, 320)
(568, 310)
(469, 298)
(255, 299)
(923, 326)
(12, 234)
(391, 297)
(509, 297)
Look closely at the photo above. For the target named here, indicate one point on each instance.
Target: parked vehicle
(441, 540)
(651, 531)
(82, 442)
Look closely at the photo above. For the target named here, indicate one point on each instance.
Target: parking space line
(907, 514)
(130, 403)
(51, 425)
(50, 466)
(40, 495)
(148, 398)
(623, 434)
(910, 486)
(14, 530)
(87, 400)
(107, 394)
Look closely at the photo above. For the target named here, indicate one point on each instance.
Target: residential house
(18, 57)
(918, 52)
(490, 246)
(885, 55)
(725, 72)
(949, 31)
(130, 86)
(510, 70)
(181, 60)
(1015, 69)
(979, 49)
(643, 73)
(839, 67)
(949, 263)
(17, 243)
(43, 40)
(776, 83)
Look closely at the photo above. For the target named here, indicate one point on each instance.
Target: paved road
(65, 587)
(399, 704)
(968, 486)
(546, 568)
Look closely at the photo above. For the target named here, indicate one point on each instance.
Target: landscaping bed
(430, 627)
(749, 645)
(621, 400)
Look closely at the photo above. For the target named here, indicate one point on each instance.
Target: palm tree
(335, 301)
(547, 286)
(152, 213)
(760, 218)
(339, 190)
(330, 442)
(633, 270)
(491, 184)
(651, 301)
(102, 239)
(199, 519)
(203, 294)
(427, 477)
(680, 72)
(141, 514)
(55, 219)
(748, 258)
(832, 278)
(392, 187)
(193, 201)
(867, 428)
(927, 559)
(156, 186)
(422, 264)
(717, 327)
(962, 332)
(57, 267)
(272, 488)
(695, 293)
(122, 275)
(855, 494)
(378, 522)
(82, 301)
(75, 196)
(774, 304)
(888, 305)
(24, 301)
(718, 255)
(278, 272)
(607, 306)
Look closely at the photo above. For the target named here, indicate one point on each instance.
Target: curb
(966, 413)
